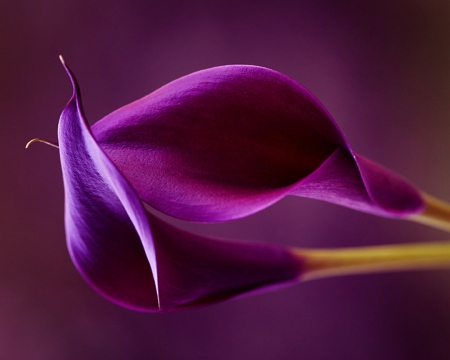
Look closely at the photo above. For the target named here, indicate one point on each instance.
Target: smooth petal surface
(137, 260)
(225, 142)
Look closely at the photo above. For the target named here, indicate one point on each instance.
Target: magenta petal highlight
(135, 259)
(226, 142)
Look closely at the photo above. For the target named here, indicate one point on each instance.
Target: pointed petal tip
(71, 77)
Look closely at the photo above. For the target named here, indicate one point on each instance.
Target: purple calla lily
(226, 142)
(137, 260)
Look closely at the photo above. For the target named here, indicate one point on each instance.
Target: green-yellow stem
(361, 260)
(436, 213)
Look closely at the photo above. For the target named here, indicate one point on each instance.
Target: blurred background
(382, 68)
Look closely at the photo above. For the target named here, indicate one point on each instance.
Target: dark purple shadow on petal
(196, 270)
(226, 142)
(119, 248)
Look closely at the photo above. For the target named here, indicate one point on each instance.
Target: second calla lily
(226, 142)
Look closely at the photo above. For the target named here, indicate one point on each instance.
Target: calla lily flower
(136, 260)
(226, 142)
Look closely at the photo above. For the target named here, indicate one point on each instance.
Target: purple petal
(226, 142)
(137, 260)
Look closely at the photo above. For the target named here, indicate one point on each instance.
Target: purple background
(382, 70)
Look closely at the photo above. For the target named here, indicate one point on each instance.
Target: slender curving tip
(62, 59)
(42, 141)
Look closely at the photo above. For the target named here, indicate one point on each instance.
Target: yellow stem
(318, 263)
(436, 213)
